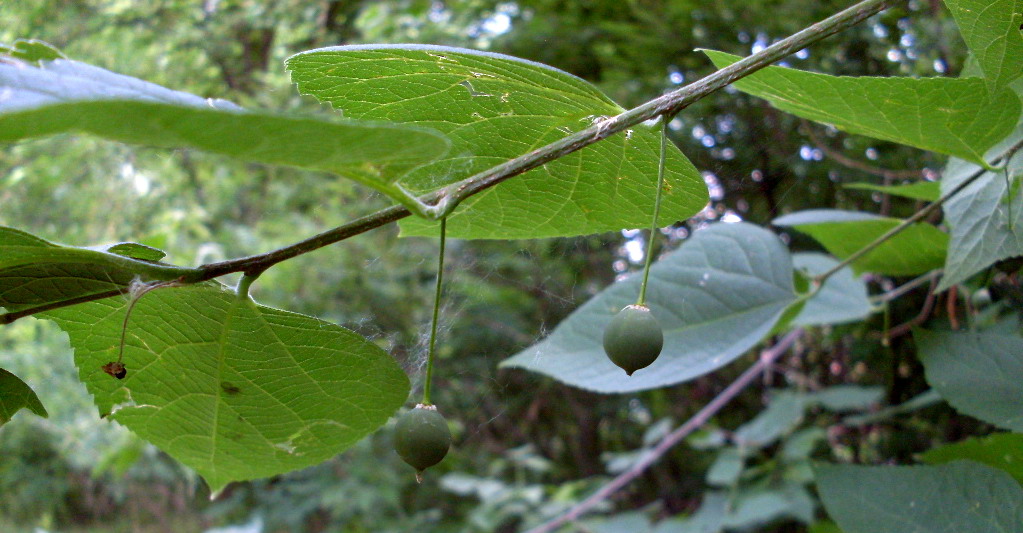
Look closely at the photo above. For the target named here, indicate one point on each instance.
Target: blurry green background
(526, 447)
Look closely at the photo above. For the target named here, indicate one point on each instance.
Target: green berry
(422, 437)
(633, 339)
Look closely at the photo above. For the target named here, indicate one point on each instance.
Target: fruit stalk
(436, 314)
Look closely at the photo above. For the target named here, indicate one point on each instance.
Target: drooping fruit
(422, 437)
(633, 339)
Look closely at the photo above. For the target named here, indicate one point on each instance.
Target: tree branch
(855, 164)
(767, 358)
(666, 105)
(918, 216)
(450, 196)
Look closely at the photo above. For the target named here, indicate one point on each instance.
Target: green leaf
(845, 232)
(991, 29)
(982, 232)
(716, 297)
(844, 398)
(955, 498)
(957, 117)
(495, 108)
(230, 388)
(35, 272)
(1003, 451)
(781, 416)
(825, 526)
(31, 50)
(980, 374)
(707, 519)
(67, 96)
(842, 298)
(726, 468)
(134, 250)
(759, 507)
(928, 191)
(15, 395)
(632, 521)
(797, 447)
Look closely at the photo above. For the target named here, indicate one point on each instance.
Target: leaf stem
(657, 209)
(1008, 194)
(431, 352)
(7, 318)
(243, 284)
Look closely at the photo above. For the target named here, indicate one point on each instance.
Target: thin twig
(767, 358)
(918, 216)
(920, 318)
(906, 287)
(847, 161)
(924, 399)
(666, 105)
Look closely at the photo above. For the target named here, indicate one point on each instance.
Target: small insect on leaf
(115, 369)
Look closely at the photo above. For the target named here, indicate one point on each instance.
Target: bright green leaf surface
(35, 272)
(980, 374)
(15, 395)
(982, 232)
(716, 297)
(991, 29)
(957, 117)
(1003, 451)
(843, 298)
(927, 191)
(232, 389)
(67, 96)
(31, 50)
(495, 108)
(135, 250)
(956, 498)
(845, 232)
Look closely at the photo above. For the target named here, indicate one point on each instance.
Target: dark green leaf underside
(67, 96)
(986, 226)
(955, 498)
(842, 298)
(35, 272)
(980, 374)
(716, 297)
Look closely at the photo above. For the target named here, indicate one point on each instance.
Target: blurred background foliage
(526, 447)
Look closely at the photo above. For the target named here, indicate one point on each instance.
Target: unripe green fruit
(422, 437)
(633, 339)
